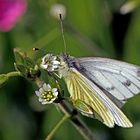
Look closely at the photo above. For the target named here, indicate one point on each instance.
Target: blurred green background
(92, 28)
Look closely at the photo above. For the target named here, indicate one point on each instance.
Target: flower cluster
(50, 62)
(10, 13)
(46, 94)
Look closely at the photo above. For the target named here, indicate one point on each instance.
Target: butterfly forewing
(120, 79)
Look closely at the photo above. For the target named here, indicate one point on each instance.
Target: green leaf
(25, 65)
(28, 72)
(3, 79)
(22, 59)
(28, 62)
(21, 68)
(19, 56)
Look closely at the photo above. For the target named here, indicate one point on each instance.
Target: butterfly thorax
(66, 65)
(73, 62)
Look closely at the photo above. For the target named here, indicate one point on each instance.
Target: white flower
(58, 9)
(49, 62)
(46, 94)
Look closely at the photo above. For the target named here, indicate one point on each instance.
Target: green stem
(51, 134)
(13, 73)
(76, 121)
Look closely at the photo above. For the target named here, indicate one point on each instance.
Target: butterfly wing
(119, 80)
(92, 101)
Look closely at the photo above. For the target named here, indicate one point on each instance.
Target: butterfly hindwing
(96, 102)
(79, 90)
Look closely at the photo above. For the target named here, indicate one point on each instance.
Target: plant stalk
(51, 134)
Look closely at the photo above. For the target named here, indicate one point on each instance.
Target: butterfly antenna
(62, 31)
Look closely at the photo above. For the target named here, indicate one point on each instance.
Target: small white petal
(55, 62)
(55, 66)
(50, 69)
(45, 58)
(48, 102)
(52, 100)
(53, 58)
(49, 87)
(55, 94)
(45, 87)
(41, 90)
(40, 100)
(44, 102)
(44, 66)
(54, 89)
(37, 93)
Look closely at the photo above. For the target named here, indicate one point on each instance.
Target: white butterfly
(98, 86)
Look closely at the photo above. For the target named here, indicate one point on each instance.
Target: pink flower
(10, 13)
